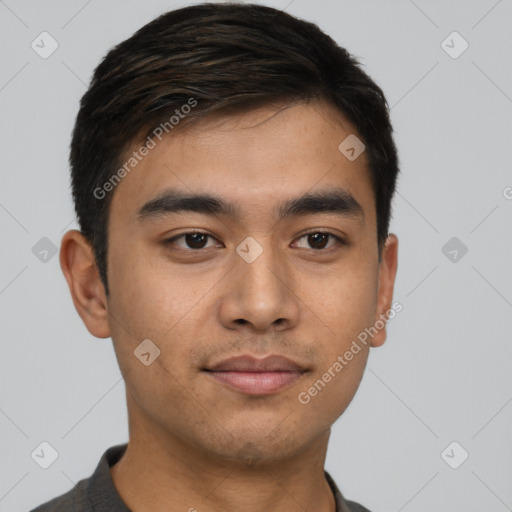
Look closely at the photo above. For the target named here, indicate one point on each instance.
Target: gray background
(443, 374)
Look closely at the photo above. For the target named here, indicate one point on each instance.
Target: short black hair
(215, 59)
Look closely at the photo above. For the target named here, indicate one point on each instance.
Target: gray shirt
(98, 494)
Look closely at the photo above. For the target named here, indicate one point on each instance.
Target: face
(206, 283)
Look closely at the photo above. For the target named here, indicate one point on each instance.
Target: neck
(160, 472)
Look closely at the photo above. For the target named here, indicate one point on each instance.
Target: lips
(273, 363)
(249, 375)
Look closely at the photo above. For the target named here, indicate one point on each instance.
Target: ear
(78, 265)
(387, 274)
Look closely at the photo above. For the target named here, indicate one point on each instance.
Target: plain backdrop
(442, 377)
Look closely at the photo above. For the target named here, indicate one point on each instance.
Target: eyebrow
(336, 200)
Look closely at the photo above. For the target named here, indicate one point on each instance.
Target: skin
(194, 443)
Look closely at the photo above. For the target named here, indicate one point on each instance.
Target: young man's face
(279, 293)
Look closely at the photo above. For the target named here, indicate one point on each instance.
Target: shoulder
(75, 500)
(342, 504)
(355, 507)
(94, 494)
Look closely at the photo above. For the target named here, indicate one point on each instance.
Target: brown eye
(191, 241)
(318, 240)
(196, 240)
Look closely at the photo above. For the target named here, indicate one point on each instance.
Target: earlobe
(387, 275)
(87, 291)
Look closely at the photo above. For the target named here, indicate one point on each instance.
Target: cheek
(343, 308)
(344, 302)
(167, 307)
(342, 356)
(326, 395)
(146, 296)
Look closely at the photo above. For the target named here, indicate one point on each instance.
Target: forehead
(255, 161)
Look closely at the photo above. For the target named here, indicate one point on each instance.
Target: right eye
(194, 240)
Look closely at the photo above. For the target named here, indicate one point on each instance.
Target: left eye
(318, 240)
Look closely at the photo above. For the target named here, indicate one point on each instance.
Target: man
(233, 171)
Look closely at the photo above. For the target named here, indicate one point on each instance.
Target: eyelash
(339, 241)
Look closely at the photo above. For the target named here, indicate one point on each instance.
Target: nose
(260, 294)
